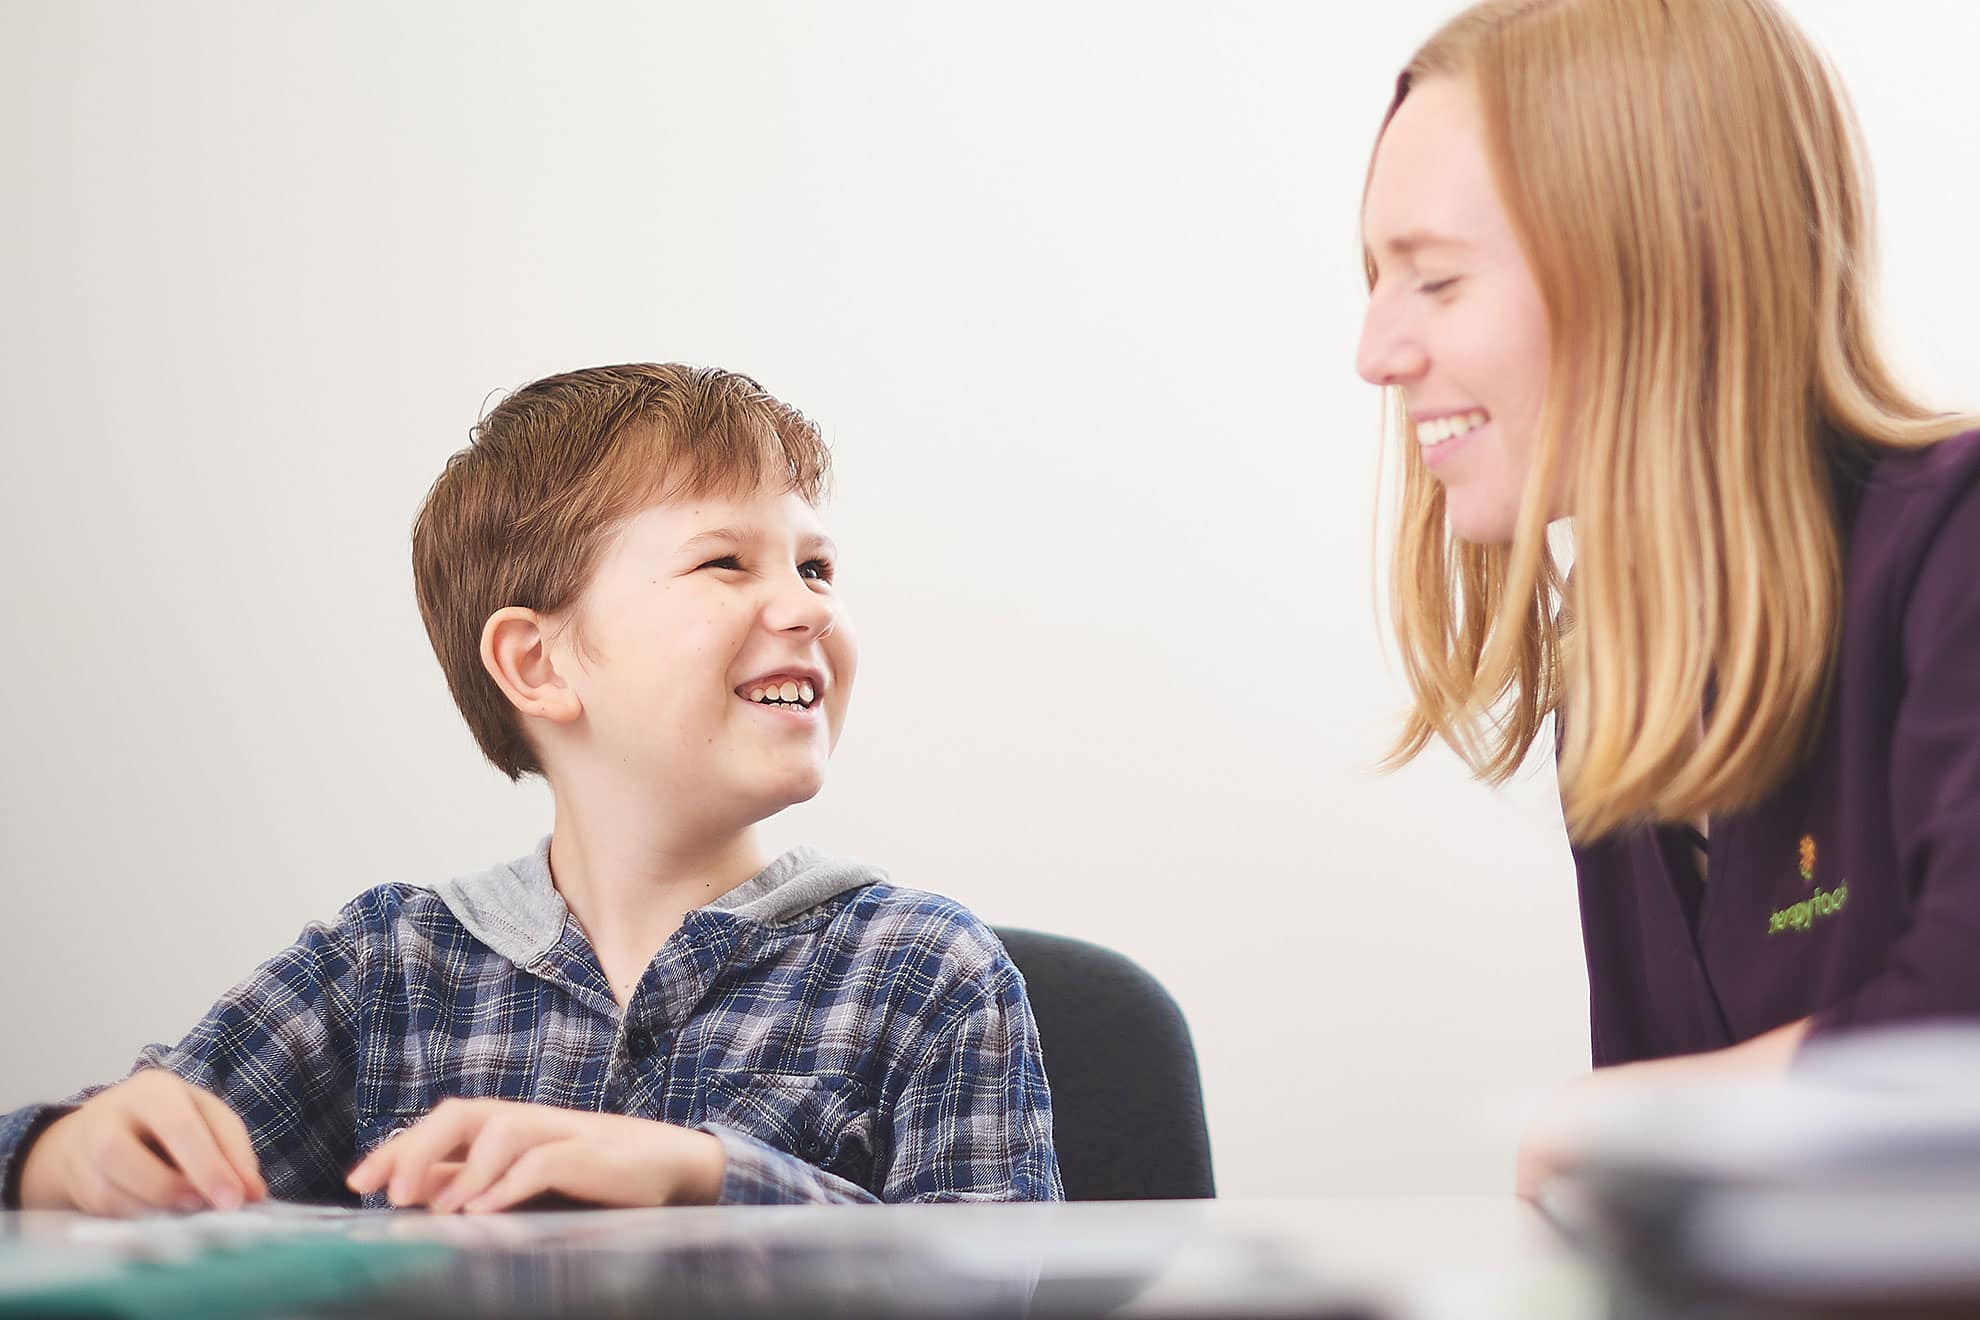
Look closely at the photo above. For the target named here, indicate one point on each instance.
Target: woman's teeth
(1439, 429)
(789, 692)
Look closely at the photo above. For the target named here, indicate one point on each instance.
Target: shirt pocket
(825, 1119)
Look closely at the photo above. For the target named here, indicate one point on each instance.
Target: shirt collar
(515, 908)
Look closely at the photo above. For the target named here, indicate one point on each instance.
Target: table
(1425, 1258)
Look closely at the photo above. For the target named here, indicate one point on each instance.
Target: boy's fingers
(441, 1134)
(370, 1173)
(179, 1128)
(92, 1193)
(531, 1175)
(494, 1151)
(366, 1173)
(376, 1169)
(115, 1203)
(138, 1177)
(437, 1179)
(235, 1144)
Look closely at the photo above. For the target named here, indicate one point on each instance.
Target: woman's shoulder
(1954, 462)
(1915, 504)
(1914, 545)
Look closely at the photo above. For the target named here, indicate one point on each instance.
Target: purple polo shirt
(1852, 892)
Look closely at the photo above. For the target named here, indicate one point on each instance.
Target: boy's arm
(18, 1131)
(277, 1050)
(756, 1173)
(972, 1123)
(975, 1122)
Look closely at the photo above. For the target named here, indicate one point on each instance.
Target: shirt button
(639, 1043)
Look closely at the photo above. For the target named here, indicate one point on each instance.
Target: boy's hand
(502, 1152)
(152, 1142)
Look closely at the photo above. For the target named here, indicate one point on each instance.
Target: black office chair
(1127, 1104)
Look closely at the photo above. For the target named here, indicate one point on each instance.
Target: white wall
(1073, 288)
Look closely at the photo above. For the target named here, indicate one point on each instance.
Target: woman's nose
(1388, 353)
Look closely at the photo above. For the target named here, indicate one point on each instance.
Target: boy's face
(701, 616)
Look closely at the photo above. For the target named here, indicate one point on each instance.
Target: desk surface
(1367, 1256)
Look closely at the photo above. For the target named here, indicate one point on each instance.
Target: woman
(1617, 256)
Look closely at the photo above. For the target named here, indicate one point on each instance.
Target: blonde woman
(1618, 254)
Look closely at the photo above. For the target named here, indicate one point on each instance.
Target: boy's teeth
(790, 690)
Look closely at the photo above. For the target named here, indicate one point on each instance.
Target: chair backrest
(1127, 1103)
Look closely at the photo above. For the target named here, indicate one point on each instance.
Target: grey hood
(516, 910)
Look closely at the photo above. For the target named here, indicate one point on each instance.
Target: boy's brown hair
(520, 515)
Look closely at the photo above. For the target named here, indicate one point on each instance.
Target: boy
(629, 591)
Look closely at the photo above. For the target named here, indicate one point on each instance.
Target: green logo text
(1802, 915)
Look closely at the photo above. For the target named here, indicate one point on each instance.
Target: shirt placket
(644, 1079)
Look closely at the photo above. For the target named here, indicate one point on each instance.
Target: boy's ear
(515, 650)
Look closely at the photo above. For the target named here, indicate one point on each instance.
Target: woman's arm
(1933, 968)
(1542, 1152)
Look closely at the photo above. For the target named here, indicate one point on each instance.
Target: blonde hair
(1685, 180)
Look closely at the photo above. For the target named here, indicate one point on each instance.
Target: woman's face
(1455, 318)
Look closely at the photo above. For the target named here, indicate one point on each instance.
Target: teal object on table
(224, 1282)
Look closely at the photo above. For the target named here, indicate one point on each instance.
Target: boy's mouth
(797, 690)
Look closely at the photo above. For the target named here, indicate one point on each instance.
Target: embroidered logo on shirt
(1821, 903)
(1802, 915)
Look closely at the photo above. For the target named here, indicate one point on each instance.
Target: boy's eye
(726, 561)
(818, 569)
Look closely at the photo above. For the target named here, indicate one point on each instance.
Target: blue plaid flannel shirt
(873, 1046)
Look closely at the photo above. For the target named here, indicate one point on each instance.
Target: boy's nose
(800, 610)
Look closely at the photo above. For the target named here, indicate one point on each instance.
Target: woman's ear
(515, 650)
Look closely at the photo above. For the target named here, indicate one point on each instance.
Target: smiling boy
(629, 590)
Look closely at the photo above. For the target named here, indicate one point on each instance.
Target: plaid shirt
(875, 1046)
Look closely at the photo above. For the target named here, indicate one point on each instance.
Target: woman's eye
(817, 569)
(726, 561)
(1434, 287)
